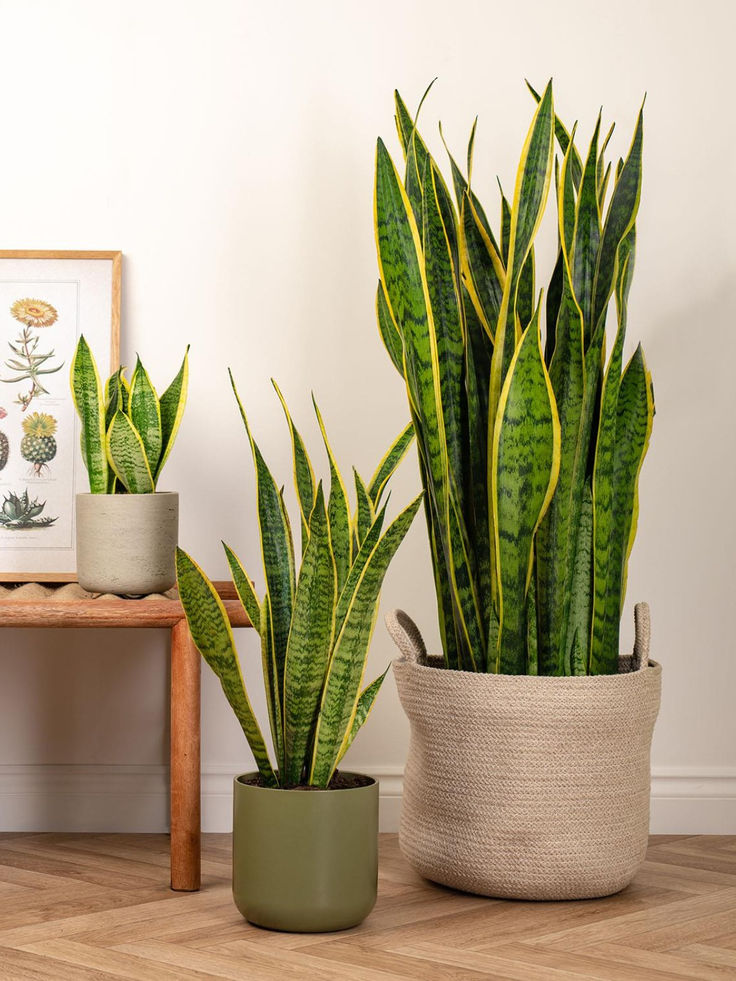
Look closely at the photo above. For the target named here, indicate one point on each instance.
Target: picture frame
(47, 299)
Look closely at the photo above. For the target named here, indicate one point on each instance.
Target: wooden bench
(65, 604)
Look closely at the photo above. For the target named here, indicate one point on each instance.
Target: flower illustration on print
(38, 445)
(34, 313)
(28, 363)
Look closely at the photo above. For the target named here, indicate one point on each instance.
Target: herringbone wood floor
(98, 907)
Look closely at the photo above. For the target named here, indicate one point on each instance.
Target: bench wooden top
(66, 604)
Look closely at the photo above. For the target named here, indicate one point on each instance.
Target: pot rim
(119, 497)
(321, 791)
(484, 678)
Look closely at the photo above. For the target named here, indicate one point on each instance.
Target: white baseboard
(135, 799)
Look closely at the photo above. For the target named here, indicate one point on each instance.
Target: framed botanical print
(47, 300)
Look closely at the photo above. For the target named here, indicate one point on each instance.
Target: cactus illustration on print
(38, 445)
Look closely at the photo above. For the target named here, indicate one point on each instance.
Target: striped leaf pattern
(530, 499)
(315, 629)
(126, 420)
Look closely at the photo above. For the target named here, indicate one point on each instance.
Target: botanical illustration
(28, 363)
(38, 445)
(19, 511)
(4, 443)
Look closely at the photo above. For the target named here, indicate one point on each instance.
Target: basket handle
(407, 637)
(642, 635)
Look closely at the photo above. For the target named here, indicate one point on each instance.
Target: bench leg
(185, 761)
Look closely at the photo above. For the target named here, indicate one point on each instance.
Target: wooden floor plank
(97, 907)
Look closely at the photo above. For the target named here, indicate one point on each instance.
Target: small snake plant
(315, 626)
(529, 453)
(127, 430)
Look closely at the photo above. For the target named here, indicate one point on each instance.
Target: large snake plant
(529, 453)
(315, 627)
(127, 431)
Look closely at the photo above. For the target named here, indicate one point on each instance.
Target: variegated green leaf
(338, 511)
(526, 292)
(619, 220)
(393, 457)
(556, 537)
(524, 467)
(483, 271)
(126, 455)
(586, 238)
(274, 693)
(362, 710)
(303, 472)
(244, 588)
(365, 513)
(172, 405)
(213, 637)
(145, 414)
(505, 226)
(310, 642)
(356, 570)
(277, 548)
(530, 196)
(603, 491)
(564, 138)
(633, 430)
(389, 331)
(347, 664)
(87, 395)
(580, 605)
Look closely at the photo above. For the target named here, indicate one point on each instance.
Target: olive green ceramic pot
(305, 861)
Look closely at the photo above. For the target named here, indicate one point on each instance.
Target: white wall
(227, 148)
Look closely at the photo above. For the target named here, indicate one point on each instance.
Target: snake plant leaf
(478, 353)
(619, 220)
(413, 180)
(145, 414)
(347, 664)
(635, 412)
(462, 188)
(505, 226)
(304, 482)
(365, 513)
(587, 234)
(603, 492)
(338, 511)
(388, 464)
(565, 139)
(484, 274)
(402, 274)
(525, 293)
(447, 316)
(362, 710)
(601, 166)
(87, 396)
(172, 404)
(126, 454)
(566, 206)
(244, 588)
(356, 570)
(406, 125)
(530, 196)
(603, 186)
(580, 606)
(213, 637)
(389, 331)
(310, 642)
(525, 464)
(274, 693)
(532, 643)
(277, 548)
(557, 534)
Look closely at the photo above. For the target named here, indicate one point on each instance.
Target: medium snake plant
(127, 430)
(315, 627)
(529, 455)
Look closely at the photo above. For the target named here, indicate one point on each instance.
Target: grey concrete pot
(126, 543)
(305, 861)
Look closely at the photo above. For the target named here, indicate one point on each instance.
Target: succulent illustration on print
(4, 443)
(38, 445)
(28, 363)
(19, 511)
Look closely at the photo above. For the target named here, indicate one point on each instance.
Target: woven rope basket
(526, 787)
